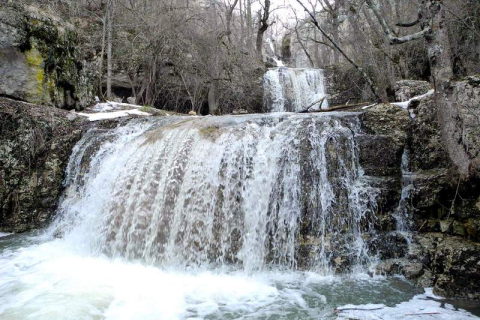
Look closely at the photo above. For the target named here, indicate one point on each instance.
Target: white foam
(49, 282)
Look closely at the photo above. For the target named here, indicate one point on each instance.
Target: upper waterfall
(248, 191)
(293, 89)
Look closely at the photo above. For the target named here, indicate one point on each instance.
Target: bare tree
(229, 7)
(263, 14)
(342, 52)
(110, 13)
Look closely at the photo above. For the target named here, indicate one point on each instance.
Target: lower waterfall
(249, 191)
(218, 218)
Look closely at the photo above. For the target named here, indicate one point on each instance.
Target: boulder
(451, 264)
(407, 89)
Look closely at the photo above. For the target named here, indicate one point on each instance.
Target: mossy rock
(40, 60)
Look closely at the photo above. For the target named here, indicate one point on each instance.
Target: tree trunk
(263, 26)
(249, 25)
(212, 98)
(214, 63)
(336, 38)
(109, 51)
(259, 43)
(102, 54)
(228, 17)
(438, 44)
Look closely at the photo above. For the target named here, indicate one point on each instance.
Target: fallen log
(421, 313)
(342, 107)
(306, 110)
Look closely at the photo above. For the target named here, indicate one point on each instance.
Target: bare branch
(408, 24)
(388, 32)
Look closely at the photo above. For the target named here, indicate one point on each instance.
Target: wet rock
(379, 155)
(454, 263)
(429, 186)
(390, 245)
(407, 89)
(35, 145)
(426, 280)
(412, 270)
(388, 267)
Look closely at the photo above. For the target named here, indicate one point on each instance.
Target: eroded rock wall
(443, 250)
(35, 146)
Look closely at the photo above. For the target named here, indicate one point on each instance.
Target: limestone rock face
(35, 145)
(386, 130)
(465, 95)
(435, 178)
(445, 208)
(407, 89)
(40, 60)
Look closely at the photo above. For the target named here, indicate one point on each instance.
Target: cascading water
(234, 217)
(294, 89)
(404, 209)
(247, 192)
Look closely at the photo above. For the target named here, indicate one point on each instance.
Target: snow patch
(112, 115)
(404, 104)
(111, 105)
(421, 306)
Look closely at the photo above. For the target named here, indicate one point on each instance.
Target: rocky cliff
(40, 60)
(442, 248)
(35, 145)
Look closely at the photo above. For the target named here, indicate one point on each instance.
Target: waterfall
(403, 211)
(293, 89)
(249, 192)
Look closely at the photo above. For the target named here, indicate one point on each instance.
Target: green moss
(149, 109)
(35, 61)
(51, 88)
(210, 132)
